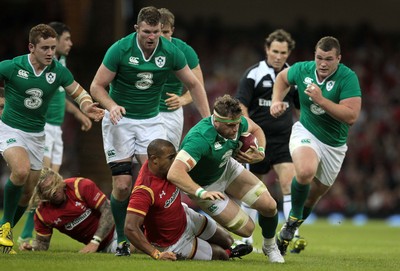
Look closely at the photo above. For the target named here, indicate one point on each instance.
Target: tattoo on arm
(106, 220)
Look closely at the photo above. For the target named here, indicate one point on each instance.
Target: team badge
(329, 85)
(160, 61)
(50, 77)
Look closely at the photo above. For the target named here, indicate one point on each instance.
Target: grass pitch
(344, 246)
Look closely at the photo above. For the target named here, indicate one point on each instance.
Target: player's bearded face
(227, 130)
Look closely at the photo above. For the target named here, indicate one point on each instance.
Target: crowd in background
(369, 182)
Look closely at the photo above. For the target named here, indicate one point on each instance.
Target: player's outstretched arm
(85, 102)
(179, 176)
(133, 230)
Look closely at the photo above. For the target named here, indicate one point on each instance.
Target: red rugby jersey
(78, 217)
(159, 201)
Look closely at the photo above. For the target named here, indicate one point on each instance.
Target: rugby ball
(247, 140)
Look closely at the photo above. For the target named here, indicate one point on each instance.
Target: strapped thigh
(254, 194)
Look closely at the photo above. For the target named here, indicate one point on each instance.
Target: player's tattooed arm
(106, 220)
(41, 243)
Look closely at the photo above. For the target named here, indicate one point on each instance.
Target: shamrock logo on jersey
(50, 77)
(160, 61)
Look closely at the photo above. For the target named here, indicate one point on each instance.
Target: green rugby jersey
(28, 95)
(139, 82)
(210, 150)
(173, 84)
(56, 112)
(342, 84)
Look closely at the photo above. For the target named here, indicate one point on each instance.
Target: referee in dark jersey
(255, 93)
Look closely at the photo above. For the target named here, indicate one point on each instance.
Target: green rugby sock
(27, 232)
(12, 194)
(118, 209)
(299, 197)
(268, 225)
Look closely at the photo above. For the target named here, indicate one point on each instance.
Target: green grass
(331, 247)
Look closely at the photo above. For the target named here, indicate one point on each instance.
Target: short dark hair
(280, 35)
(149, 15)
(60, 27)
(41, 31)
(328, 43)
(167, 18)
(228, 106)
(156, 147)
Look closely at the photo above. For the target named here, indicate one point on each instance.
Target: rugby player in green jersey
(330, 102)
(53, 151)
(30, 81)
(134, 70)
(206, 170)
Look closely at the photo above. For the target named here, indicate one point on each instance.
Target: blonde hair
(49, 182)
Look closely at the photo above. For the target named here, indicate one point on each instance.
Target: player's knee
(222, 238)
(122, 179)
(20, 174)
(305, 174)
(266, 205)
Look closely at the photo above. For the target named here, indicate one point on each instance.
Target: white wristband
(96, 240)
(200, 191)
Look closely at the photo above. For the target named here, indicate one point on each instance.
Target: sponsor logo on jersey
(316, 109)
(217, 145)
(58, 220)
(35, 98)
(267, 83)
(308, 80)
(160, 61)
(111, 153)
(162, 194)
(23, 74)
(11, 141)
(267, 103)
(329, 85)
(134, 60)
(306, 141)
(71, 225)
(171, 200)
(50, 77)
